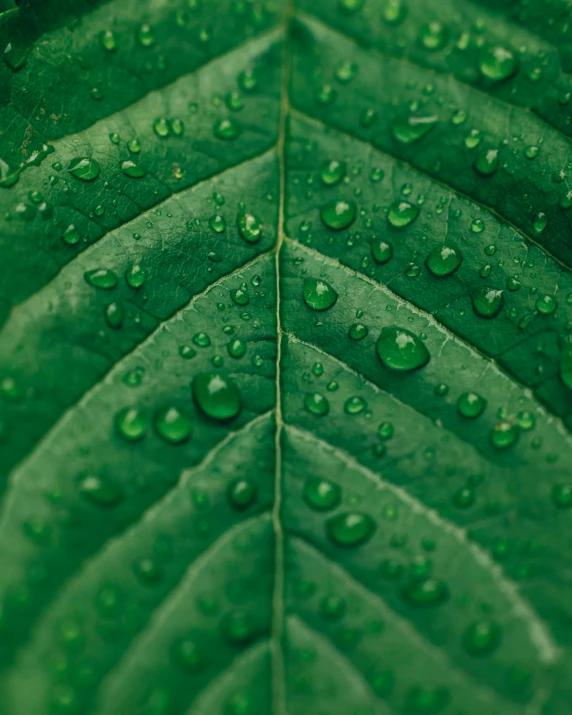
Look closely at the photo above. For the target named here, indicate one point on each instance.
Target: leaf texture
(285, 363)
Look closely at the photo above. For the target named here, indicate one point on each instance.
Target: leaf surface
(285, 364)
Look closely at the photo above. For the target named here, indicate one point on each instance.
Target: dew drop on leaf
(401, 350)
(114, 315)
(381, 251)
(350, 529)
(242, 493)
(319, 294)
(249, 227)
(103, 278)
(562, 496)
(188, 655)
(135, 276)
(487, 302)
(316, 404)
(132, 170)
(497, 63)
(401, 213)
(394, 12)
(172, 425)
(481, 638)
(131, 424)
(546, 304)
(338, 215)
(100, 491)
(84, 168)
(471, 405)
(412, 129)
(321, 494)
(433, 36)
(217, 396)
(358, 331)
(444, 260)
(227, 129)
(332, 172)
(504, 435)
(425, 593)
(487, 162)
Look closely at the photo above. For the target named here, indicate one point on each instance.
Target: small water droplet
(401, 214)
(412, 129)
(471, 405)
(131, 424)
(444, 260)
(338, 215)
(103, 278)
(497, 63)
(172, 425)
(350, 529)
(321, 494)
(84, 168)
(316, 404)
(318, 294)
(249, 227)
(332, 172)
(487, 302)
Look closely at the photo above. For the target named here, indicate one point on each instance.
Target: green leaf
(285, 357)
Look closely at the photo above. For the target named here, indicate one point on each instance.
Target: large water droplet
(172, 425)
(131, 424)
(338, 215)
(332, 172)
(497, 63)
(319, 294)
(504, 435)
(103, 278)
(412, 129)
(444, 260)
(316, 404)
(399, 349)
(487, 162)
(321, 494)
(487, 302)
(217, 396)
(471, 405)
(401, 214)
(381, 251)
(350, 529)
(84, 168)
(249, 227)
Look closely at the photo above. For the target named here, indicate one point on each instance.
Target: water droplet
(401, 350)
(217, 396)
(161, 127)
(236, 348)
(358, 331)
(401, 214)
(433, 35)
(227, 129)
(546, 304)
(135, 276)
(114, 315)
(351, 529)
(172, 425)
(100, 491)
(238, 627)
(217, 223)
(131, 424)
(148, 570)
(504, 435)
(381, 251)
(202, 340)
(412, 129)
(240, 295)
(249, 227)
(481, 638)
(242, 493)
(332, 608)
(107, 40)
(444, 260)
(497, 63)
(321, 494)
(562, 496)
(146, 36)
(487, 302)
(394, 12)
(189, 655)
(487, 162)
(354, 405)
(338, 215)
(423, 700)
(426, 593)
(540, 222)
(71, 235)
(350, 6)
(101, 278)
(84, 168)
(132, 170)
(471, 405)
(332, 172)
(464, 498)
(316, 404)
(385, 430)
(318, 294)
